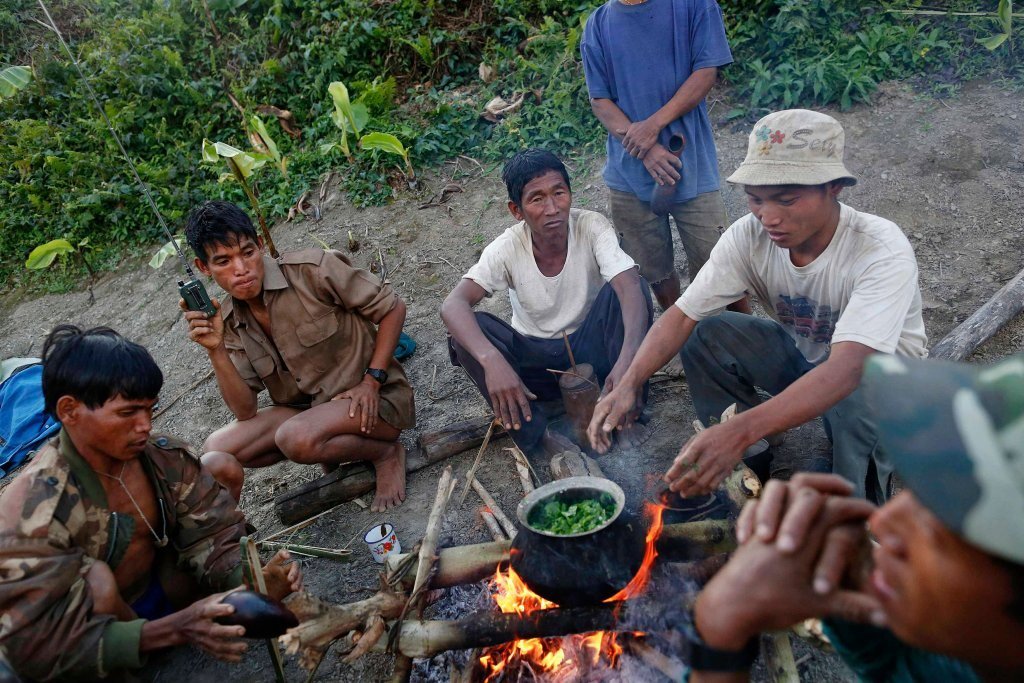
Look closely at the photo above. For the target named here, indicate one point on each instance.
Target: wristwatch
(378, 375)
(703, 657)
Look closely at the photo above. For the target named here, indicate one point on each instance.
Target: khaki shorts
(648, 239)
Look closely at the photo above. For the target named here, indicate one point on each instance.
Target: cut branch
(1006, 304)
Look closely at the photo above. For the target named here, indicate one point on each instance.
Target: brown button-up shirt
(323, 316)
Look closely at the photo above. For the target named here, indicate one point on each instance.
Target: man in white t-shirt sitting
(565, 272)
(838, 284)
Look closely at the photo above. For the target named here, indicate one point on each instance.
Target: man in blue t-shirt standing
(649, 64)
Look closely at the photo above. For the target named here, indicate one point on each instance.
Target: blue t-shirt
(638, 56)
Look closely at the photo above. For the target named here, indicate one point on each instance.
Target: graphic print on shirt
(807, 318)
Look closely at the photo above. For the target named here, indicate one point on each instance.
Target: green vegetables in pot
(567, 518)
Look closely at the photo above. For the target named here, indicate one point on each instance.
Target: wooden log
(340, 486)
(457, 437)
(523, 468)
(506, 524)
(777, 653)
(321, 622)
(964, 340)
(462, 564)
(471, 563)
(487, 628)
(673, 669)
(428, 556)
(492, 525)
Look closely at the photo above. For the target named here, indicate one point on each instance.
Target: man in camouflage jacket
(90, 579)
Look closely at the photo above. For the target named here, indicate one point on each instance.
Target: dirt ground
(950, 173)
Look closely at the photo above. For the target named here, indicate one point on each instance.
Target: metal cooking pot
(578, 569)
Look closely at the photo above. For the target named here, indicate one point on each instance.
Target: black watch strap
(705, 658)
(378, 375)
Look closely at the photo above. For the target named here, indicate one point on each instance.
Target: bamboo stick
(256, 573)
(476, 462)
(428, 550)
(506, 524)
(311, 550)
(523, 468)
(492, 524)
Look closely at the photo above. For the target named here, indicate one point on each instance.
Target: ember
(561, 659)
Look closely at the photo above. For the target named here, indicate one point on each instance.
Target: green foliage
(386, 142)
(812, 52)
(44, 255)
(560, 517)
(167, 81)
(1004, 17)
(166, 251)
(13, 79)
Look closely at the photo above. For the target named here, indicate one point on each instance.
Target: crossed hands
(799, 553)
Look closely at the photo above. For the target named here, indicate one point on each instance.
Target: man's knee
(226, 470)
(220, 440)
(298, 442)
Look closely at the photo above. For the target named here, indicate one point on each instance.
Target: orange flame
(556, 655)
(638, 584)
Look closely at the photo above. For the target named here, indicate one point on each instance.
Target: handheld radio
(191, 288)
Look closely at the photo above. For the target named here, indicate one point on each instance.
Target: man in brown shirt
(319, 335)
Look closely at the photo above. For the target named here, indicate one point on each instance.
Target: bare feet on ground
(390, 480)
(632, 435)
(554, 443)
(674, 368)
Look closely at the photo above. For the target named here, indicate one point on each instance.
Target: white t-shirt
(862, 288)
(546, 306)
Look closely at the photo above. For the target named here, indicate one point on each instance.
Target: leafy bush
(169, 76)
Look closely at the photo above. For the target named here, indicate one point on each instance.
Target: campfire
(551, 629)
(565, 658)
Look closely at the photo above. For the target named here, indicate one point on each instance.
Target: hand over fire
(769, 585)
(707, 459)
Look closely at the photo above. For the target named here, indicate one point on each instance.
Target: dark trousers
(731, 355)
(597, 341)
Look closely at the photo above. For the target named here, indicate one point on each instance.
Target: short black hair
(217, 222)
(95, 366)
(527, 165)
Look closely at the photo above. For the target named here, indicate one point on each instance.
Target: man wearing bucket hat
(947, 577)
(838, 284)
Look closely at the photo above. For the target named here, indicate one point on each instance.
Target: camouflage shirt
(54, 524)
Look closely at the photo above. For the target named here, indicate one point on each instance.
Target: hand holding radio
(203, 329)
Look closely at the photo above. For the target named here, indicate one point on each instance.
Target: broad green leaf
(342, 106)
(383, 141)
(268, 141)
(13, 79)
(43, 255)
(992, 42)
(247, 163)
(360, 117)
(1005, 14)
(164, 253)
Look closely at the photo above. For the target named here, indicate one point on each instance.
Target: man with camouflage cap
(838, 284)
(111, 537)
(944, 588)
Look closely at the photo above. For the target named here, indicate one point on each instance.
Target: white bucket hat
(794, 147)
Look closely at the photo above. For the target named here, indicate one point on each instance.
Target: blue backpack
(24, 422)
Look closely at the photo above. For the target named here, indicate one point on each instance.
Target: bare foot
(674, 368)
(390, 480)
(632, 435)
(554, 443)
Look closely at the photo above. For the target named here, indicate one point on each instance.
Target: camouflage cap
(955, 434)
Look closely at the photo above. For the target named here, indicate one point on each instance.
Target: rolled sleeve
(355, 289)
